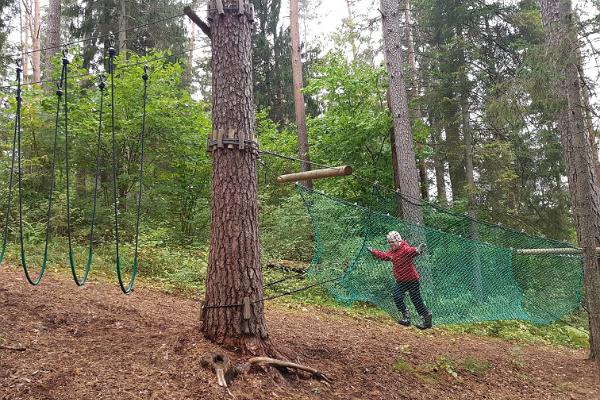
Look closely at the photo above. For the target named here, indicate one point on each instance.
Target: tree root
(320, 376)
(221, 365)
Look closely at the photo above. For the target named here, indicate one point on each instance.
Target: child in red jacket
(401, 255)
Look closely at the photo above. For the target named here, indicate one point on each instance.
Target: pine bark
(406, 164)
(234, 270)
(298, 96)
(52, 36)
(561, 41)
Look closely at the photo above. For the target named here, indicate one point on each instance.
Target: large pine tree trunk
(234, 270)
(52, 36)
(298, 95)
(561, 42)
(403, 143)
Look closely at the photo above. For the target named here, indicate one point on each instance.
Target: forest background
(479, 103)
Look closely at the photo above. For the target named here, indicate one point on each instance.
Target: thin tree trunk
(589, 123)
(52, 36)
(234, 270)
(474, 254)
(438, 163)
(352, 29)
(561, 40)
(35, 40)
(298, 96)
(414, 94)
(123, 28)
(406, 167)
(24, 22)
(189, 76)
(399, 201)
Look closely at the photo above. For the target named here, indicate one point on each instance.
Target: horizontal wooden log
(316, 174)
(566, 250)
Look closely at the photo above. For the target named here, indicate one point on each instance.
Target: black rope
(121, 67)
(88, 265)
(70, 43)
(129, 287)
(300, 289)
(59, 92)
(278, 295)
(10, 186)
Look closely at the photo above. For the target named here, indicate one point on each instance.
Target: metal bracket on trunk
(212, 144)
(239, 9)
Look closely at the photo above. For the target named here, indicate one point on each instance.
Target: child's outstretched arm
(380, 254)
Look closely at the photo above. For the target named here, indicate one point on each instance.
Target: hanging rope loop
(12, 170)
(35, 281)
(126, 287)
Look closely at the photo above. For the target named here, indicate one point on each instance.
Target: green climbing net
(471, 271)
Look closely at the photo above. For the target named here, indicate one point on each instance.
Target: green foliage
(569, 332)
(354, 127)
(176, 168)
(476, 366)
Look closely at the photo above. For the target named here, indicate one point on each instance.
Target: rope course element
(126, 288)
(472, 270)
(101, 87)
(122, 67)
(59, 92)
(10, 180)
(462, 279)
(92, 38)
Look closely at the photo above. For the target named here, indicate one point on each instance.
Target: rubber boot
(427, 322)
(405, 318)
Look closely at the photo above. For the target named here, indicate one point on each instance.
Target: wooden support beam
(566, 250)
(197, 20)
(316, 174)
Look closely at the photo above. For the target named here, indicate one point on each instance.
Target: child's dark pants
(414, 290)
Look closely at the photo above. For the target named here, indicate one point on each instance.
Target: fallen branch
(13, 348)
(286, 364)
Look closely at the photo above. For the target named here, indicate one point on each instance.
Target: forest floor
(94, 342)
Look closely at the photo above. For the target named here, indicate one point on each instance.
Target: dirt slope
(96, 343)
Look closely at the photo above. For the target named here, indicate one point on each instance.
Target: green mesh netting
(470, 271)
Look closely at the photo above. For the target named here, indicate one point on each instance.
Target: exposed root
(221, 365)
(286, 364)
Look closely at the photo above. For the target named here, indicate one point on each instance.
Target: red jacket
(402, 261)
